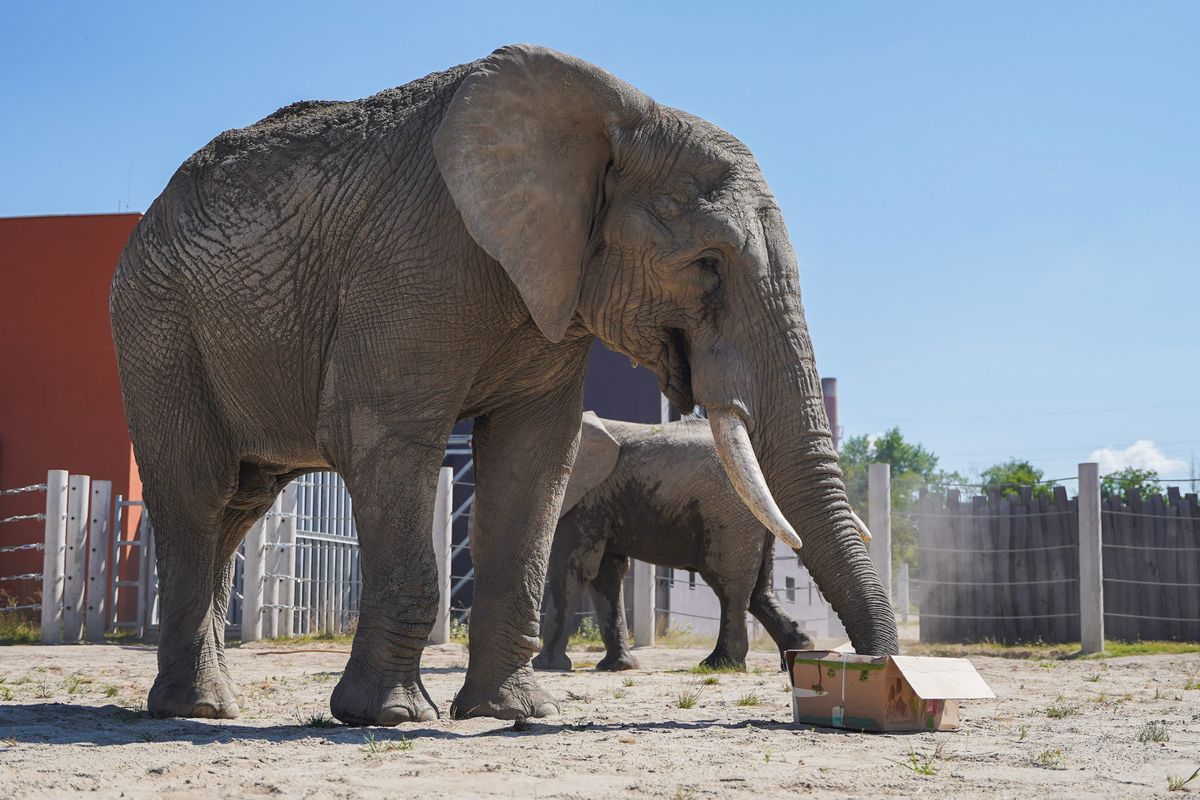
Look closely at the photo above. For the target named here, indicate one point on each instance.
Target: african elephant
(334, 286)
(658, 493)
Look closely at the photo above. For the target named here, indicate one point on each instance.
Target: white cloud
(1143, 454)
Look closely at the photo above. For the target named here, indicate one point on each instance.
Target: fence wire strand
(14, 548)
(22, 517)
(37, 487)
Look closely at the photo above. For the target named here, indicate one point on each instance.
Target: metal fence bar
(54, 555)
(99, 545)
(79, 490)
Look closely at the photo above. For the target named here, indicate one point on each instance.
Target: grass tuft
(711, 680)
(374, 746)
(1191, 679)
(689, 697)
(620, 694)
(1153, 732)
(1061, 712)
(17, 627)
(627, 682)
(1051, 759)
(708, 669)
(1177, 783)
(924, 764)
(319, 720)
(748, 699)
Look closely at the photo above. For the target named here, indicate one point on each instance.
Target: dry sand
(71, 722)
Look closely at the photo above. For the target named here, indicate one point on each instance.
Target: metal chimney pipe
(829, 390)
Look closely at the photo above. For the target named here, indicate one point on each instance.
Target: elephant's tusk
(741, 465)
(862, 528)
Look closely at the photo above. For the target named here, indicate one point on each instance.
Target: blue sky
(996, 205)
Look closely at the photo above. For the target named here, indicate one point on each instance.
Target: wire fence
(21, 577)
(1006, 567)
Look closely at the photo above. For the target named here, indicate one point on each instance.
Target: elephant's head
(656, 231)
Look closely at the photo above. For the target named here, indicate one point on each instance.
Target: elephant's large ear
(523, 150)
(594, 462)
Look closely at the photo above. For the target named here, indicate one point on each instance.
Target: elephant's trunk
(761, 387)
(808, 482)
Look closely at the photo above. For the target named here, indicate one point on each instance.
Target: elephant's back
(308, 128)
(678, 502)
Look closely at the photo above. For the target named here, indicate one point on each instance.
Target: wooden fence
(1006, 569)
(1152, 566)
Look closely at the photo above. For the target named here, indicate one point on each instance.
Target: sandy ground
(71, 722)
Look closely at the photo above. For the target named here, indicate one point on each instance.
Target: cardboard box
(880, 693)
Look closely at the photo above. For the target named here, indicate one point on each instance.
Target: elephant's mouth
(676, 371)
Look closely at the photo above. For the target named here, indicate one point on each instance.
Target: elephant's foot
(618, 662)
(552, 661)
(800, 641)
(210, 696)
(359, 699)
(721, 660)
(518, 697)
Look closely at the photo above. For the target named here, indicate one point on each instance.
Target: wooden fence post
(643, 604)
(252, 582)
(1091, 561)
(879, 513)
(285, 593)
(79, 490)
(54, 555)
(902, 592)
(443, 508)
(99, 545)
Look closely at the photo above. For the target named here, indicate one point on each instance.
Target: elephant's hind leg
(189, 474)
(608, 596)
(733, 641)
(194, 550)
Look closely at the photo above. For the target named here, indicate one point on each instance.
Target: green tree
(1008, 476)
(1145, 481)
(913, 468)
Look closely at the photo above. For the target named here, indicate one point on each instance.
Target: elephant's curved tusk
(741, 465)
(862, 528)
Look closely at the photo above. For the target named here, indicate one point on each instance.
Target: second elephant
(657, 493)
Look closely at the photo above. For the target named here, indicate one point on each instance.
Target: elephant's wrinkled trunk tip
(741, 465)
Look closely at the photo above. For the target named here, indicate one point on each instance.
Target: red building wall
(60, 399)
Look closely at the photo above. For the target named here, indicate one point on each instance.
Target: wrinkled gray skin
(336, 285)
(657, 493)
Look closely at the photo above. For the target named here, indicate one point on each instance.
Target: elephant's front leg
(523, 456)
(393, 481)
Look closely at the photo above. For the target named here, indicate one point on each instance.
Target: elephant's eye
(709, 263)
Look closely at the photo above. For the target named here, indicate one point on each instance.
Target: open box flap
(942, 678)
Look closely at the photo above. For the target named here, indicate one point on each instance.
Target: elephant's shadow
(112, 725)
